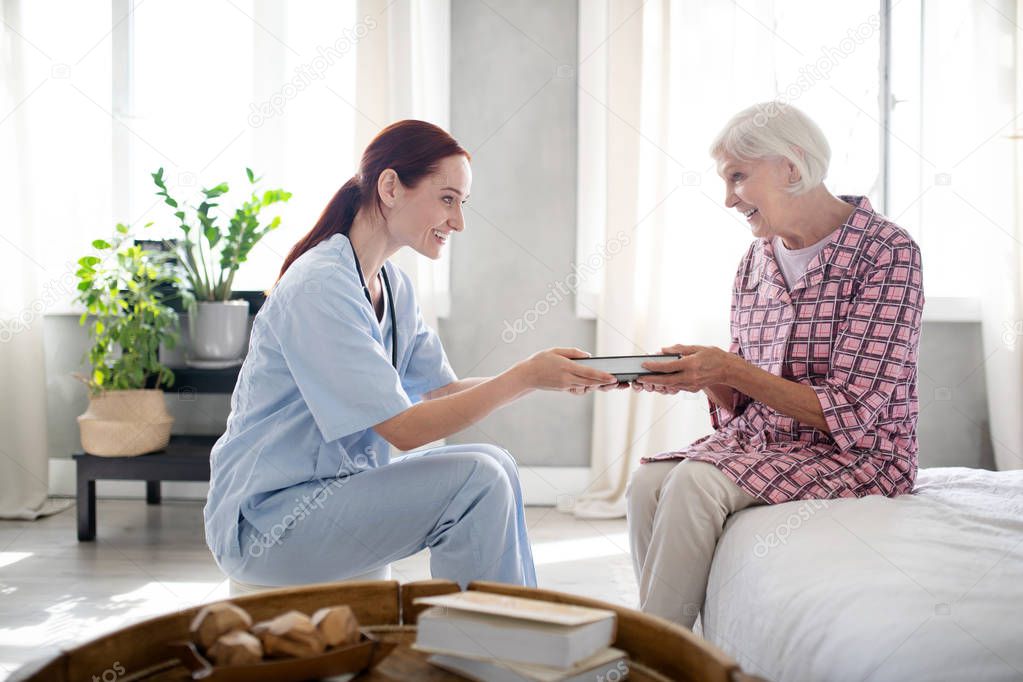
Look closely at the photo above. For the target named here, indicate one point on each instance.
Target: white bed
(926, 586)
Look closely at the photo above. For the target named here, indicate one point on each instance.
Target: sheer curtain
(653, 93)
(404, 71)
(996, 200)
(23, 464)
(53, 180)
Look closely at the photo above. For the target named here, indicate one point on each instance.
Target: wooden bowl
(353, 658)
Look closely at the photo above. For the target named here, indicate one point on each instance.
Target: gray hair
(773, 130)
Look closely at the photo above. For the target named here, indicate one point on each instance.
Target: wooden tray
(354, 658)
(659, 651)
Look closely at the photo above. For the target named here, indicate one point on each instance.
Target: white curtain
(653, 92)
(988, 39)
(404, 71)
(23, 462)
(30, 282)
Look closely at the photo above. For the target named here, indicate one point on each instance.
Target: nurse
(341, 366)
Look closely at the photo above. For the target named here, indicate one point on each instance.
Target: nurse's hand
(553, 370)
(605, 387)
(663, 390)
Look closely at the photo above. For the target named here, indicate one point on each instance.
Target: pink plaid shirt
(849, 328)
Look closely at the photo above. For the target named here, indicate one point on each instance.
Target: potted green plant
(123, 288)
(210, 257)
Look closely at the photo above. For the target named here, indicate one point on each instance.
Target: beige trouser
(676, 512)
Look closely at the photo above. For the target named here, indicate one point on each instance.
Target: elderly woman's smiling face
(759, 191)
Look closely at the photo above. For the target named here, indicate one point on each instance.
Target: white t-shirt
(793, 262)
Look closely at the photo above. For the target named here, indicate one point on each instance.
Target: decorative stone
(290, 634)
(215, 620)
(337, 625)
(236, 648)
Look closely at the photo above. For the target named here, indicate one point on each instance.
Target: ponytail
(346, 203)
(336, 218)
(411, 148)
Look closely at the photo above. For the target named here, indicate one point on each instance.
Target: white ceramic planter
(125, 423)
(218, 331)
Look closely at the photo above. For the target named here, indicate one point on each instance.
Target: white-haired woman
(816, 396)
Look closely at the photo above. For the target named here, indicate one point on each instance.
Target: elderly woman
(816, 396)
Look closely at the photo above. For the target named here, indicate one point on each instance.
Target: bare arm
(791, 398)
(456, 387)
(439, 417)
(720, 374)
(722, 395)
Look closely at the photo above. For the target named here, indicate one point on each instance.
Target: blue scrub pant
(464, 502)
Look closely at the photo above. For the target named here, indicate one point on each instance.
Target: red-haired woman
(340, 367)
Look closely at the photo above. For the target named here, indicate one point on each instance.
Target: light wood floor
(148, 560)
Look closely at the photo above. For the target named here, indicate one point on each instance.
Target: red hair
(411, 148)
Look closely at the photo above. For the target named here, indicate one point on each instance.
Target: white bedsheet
(926, 586)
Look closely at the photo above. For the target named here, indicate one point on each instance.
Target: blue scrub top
(317, 378)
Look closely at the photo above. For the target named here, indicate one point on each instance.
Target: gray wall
(515, 110)
(953, 428)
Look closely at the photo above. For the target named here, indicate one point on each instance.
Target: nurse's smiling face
(758, 190)
(423, 217)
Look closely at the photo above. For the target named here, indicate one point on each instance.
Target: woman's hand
(554, 370)
(700, 367)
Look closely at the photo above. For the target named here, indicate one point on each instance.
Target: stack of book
(498, 638)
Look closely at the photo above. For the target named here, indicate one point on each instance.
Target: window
(917, 109)
(950, 163)
(206, 89)
(676, 87)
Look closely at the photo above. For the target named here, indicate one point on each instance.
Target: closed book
(604, 666)
(487, 626)
(518, 607)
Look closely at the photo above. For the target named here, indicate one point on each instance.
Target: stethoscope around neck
(390, 305)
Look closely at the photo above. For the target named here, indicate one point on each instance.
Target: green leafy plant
(124, 288)
(211, 256)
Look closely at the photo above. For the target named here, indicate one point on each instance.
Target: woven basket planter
(125, 423)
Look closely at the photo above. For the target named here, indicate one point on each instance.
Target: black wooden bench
(186, 458)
